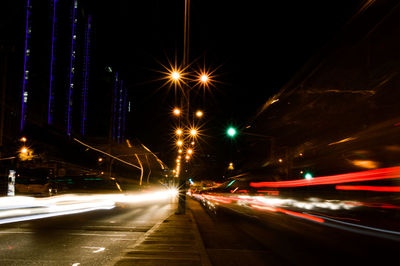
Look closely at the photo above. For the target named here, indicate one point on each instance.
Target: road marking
(17, 232)
(85, 234)
(98, 249)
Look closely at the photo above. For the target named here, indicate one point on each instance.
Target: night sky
(254, 50)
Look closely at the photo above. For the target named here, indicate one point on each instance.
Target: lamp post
(187, 132)
(176, 78)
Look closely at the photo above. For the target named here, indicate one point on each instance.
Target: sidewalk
(174, 241)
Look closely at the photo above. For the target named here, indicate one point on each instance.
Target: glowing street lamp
(177, 111)
(190, 151)
(193, 132)
(199, 113)
(179, 143)
(204, 78)
(175, 75)
(308, 176)
(231, 131)
(179, 132)
(25, 154)
(24, 150)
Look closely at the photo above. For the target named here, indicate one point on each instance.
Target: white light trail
(16, 209)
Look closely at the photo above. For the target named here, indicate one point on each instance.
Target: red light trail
(377, 174)
(369, 188)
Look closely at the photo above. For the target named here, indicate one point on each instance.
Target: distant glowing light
(204, 78)
(365, 164)
(308, 176)
(179, 143)
(199, 113)
(179, 132)
(231, 132)
(177, 111)
(193, 132)
(24, 150)
(175, 75)
(190, 151)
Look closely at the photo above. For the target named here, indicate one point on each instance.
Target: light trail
(377, 174)
(352, 225)
(17, 209)
(105, 153)
(369, 188)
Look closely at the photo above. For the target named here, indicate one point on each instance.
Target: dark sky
(254, 48)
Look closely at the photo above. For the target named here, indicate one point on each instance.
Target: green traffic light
(231, 131)
(308, 176)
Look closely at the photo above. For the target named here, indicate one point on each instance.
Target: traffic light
(231, 132)
(308, 176)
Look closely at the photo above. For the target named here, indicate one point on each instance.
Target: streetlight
(204, 78)
(177, 111)
(179, 132)
(199, 113)
(24, 150)
(25, 154)
(175, 75)
(193, 132)
(179, 143)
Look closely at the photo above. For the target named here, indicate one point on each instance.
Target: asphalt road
(234, 239)
(92, 238)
